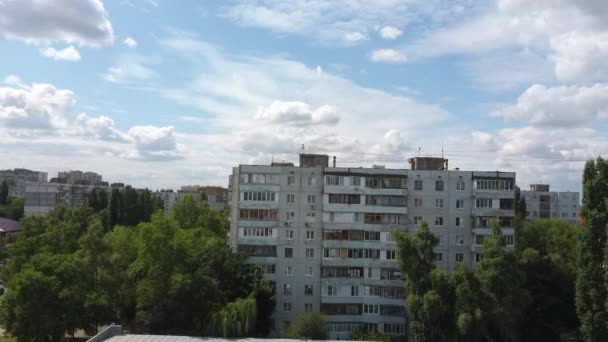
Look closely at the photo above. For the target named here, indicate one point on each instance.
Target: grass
(7, 339)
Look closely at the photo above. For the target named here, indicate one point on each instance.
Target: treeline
(522, 294)
(173, 275)
(126, 206)
(10, 208)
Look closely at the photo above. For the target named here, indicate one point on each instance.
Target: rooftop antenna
(302, 148)
(442, 148)
(419, 151)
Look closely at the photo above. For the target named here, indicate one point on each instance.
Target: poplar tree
(591, 279)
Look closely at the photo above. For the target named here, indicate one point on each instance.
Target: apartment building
(541, 203)
(17, 178)
(324, 235)
(170, 197)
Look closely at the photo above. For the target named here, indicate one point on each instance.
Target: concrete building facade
(541, 203)
(323, 234)
(17, 178)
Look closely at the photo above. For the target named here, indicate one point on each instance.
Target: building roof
(9, 226)
(168, 338)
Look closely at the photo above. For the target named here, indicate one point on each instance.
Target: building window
(312, 180)
(438, 257)
(356, 181)
(334, 180)
(478, 257)
(439, 185)
(310, 235)
(357, 217)
(332, 216)
(289, 234)
(291, 198)
(371, 309)
(509, 240)
(417, 219)
(460, 204)
(438, 221)
(354, 291)
(418, 184)
(479, 239)
(311, 199)
(439, 203)
(391, 254)
(288, 252)
(483, 203)
(287, 289)
(460, 240)
(309, 271)
(458, 221)
(369, 272)
(418, 202)
(290, 216)
(307, 307)
(459, 257)
(288, 271)
(460, 186)
(291, 180)
(332, 290)
(308, 290)
(310, 252)
(268, 269)
(287, 307)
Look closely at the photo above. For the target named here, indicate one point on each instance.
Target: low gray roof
(9, 226)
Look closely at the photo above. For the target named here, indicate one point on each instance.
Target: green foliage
(13, 209)
(128, 206)
(69, 271)
(308, 326)
(362, 334)
(4, 193)
(429, 301)
(591, 289)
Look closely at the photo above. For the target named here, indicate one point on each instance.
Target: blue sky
(162, 93)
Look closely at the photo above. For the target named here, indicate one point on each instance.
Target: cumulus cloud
(388, 56)
(67, 54)
(130, 42)
(83, 22)
(580, 55)
(154, 142)
(42, 106)
(297, 114)
(352, 38)
(102, 128)
(559, 106)
(390, 32)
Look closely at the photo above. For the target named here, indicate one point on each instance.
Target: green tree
(308, 326)
(502, 280)
(471, 306)
(429, 301)
(591, 279)
(4, 193)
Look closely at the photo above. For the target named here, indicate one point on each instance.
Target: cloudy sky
(162, 93)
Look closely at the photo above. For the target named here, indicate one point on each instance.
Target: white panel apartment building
(323, 234)
(544, 204)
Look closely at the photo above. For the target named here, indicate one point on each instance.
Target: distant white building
(17, 178)
(541, 203)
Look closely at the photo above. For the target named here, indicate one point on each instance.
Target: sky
(160, 93)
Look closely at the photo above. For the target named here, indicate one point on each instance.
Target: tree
(471, 306)
(502, 281)
(591, 279)
(429, 301)
(4, 193)
(308, 326)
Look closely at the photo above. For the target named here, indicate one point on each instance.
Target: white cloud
(40, 107)
(390, 32)
(13, 80)
(352, 38)
(187, 118)
(83, 22)
(297, 114)
(102, 128)
(130, 42)
(130, 68)
(388, 56)
(562, 106)
(154, 142)
(581, 55)
(67, 54)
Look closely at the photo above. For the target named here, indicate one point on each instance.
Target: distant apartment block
(69, 188)
(17, 178)
(541, 203)
(324, 235)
